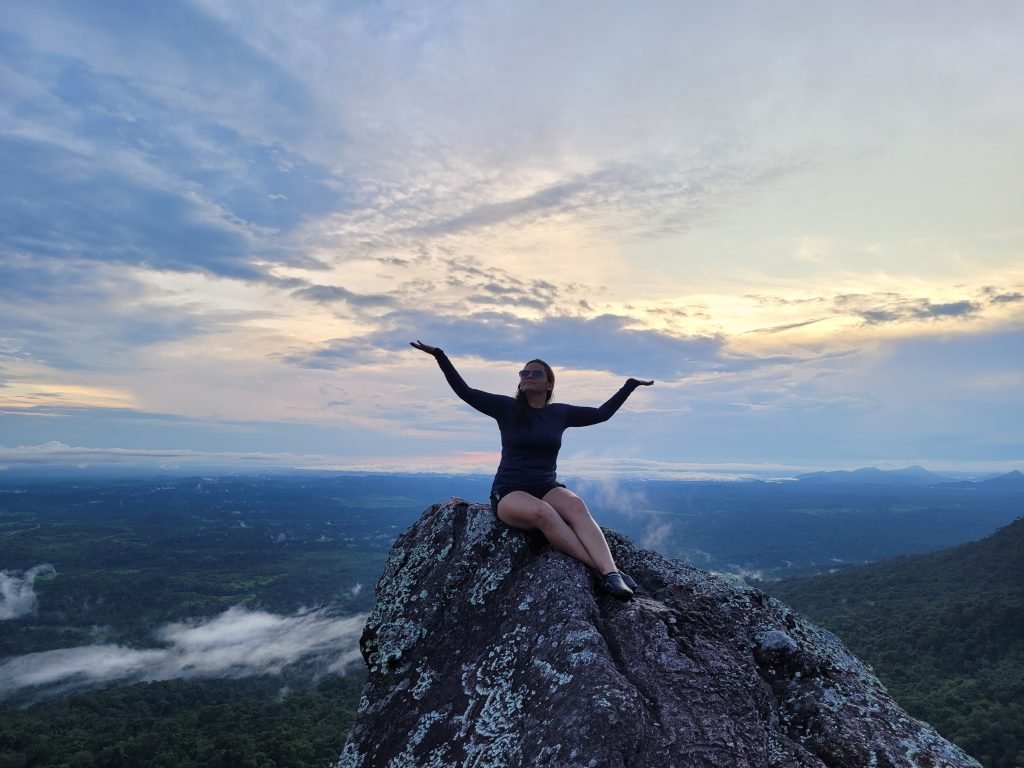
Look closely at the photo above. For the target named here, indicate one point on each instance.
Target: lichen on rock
(488, 649)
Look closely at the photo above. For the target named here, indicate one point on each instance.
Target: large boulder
(489, 649)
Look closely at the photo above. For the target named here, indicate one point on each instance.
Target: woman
(525, 493)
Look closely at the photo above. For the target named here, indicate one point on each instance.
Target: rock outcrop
(487, 649)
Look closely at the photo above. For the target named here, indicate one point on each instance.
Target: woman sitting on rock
(525, 493)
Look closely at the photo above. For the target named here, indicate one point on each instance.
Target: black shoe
(613, 584)
(628, 579)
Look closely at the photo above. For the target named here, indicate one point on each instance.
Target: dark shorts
(497, 494)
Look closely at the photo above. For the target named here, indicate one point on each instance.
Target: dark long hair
(524, 413)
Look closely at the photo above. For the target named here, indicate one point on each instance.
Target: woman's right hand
(423, 347)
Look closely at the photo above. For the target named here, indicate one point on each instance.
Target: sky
(223, 222)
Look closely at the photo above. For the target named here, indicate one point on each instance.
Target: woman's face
(533, 378)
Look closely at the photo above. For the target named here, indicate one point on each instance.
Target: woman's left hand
(423, 347)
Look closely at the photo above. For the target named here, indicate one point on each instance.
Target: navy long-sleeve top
(529, 451)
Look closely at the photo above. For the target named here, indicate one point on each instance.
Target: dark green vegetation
(176, 724)
(131, 556)
(944, 632)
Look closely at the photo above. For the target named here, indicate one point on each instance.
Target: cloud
(238, 643)
(57, 453)
(498, 287)
(132, 151)
(47, 300)
(94, 213)
(748, 574)
(199, 193)
(175, 60)
(657, 534)
(949, 309)
(787, 326)
(605, 342)
(544, 202)
(1001, 296)
(882, 308)
(17, 593)
(645, 199)
(329, 294)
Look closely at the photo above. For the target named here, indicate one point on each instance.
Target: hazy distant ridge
(914, 475)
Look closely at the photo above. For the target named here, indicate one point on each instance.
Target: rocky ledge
(487, 649)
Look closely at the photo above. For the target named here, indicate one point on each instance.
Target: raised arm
(582, 416)
(485, 402)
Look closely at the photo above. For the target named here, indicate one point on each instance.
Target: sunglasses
(534, 374)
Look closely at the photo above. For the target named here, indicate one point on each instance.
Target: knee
(542, 515)
(574, 511)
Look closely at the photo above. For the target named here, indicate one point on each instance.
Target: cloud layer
(223, 222)
(238, 643)
(17, 592)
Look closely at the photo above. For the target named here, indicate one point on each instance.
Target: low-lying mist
(237, 643)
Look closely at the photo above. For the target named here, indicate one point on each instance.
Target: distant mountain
(1009, 481)
(914, 475)
(944, 632)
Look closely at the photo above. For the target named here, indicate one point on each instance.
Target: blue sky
(222, 223)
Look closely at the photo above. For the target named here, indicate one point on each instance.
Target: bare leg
(519, 509)
(573, 510)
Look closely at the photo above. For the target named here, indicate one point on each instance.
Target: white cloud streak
(55, 452)
(238, 643)
(17, 592)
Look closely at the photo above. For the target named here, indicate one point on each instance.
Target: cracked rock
(487, 650)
